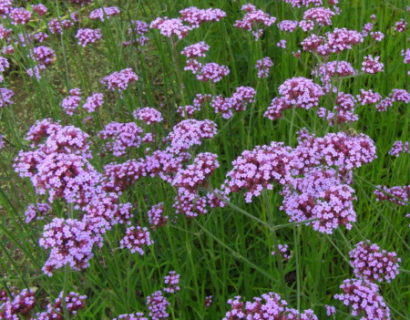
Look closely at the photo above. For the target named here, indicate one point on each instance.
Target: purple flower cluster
(5, 97)
(131, 316)
(122, 136)
(120, 80)
(399, 194)
(195, 17)
(197, 103)
(372, 263)
(148, 115)
(157, 305)
(104, 13)
(321, 16)
(237, 102)
(263, 67)
(283, 251)
(19, 306)
(364, 299)
(20, 16)
(399, 147)
(298, 92)
(71, 102)
(189, 133)
(86, 36)
(171, 282)
(372, 65)
(69, 303)
(71, 244)
(37, 211)
(336, 41)
(156, 217)
(196, 50)
(135, 238)
(270, 306)
(93, 102)
(137, 30)
(254, 20)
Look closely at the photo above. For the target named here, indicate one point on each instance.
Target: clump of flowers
(170, 27)
(135, 238)
(268, 306)
(171, 282)
(254, 20)
(237, 102)
(131, 316)
(195, 17)
(257, 169)
(372, 65)
(37, 211)
(120, 80)
(399, 147)
(104, 13)
(71, 302)
(372, 263)
(122, 135)
(263, 67)
(19, 306)
(148, 115)
(156, 217)
(399, 194)
(71, 102)
(364, 300)
(321, 16)
(71, 244)
(86, 36)
(93, 102)
(157, 305)
(283, 251)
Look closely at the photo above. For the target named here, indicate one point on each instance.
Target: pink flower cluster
(120, 80)
(237, 102)
(364, 300)
(20, 16)
(135, 239)
(254, 20)
(86, 36)
(270, 306)
(372, 263)
(73, 101)
(263, 67)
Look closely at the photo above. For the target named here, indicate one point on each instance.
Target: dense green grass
(226, 252)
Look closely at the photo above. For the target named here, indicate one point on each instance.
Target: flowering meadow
(204, 159)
